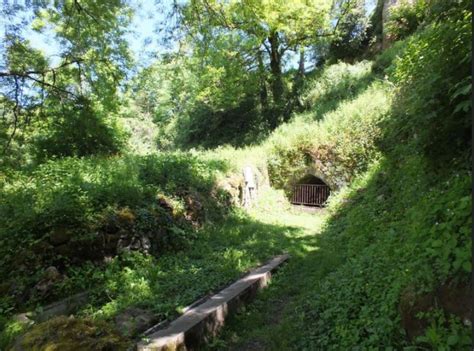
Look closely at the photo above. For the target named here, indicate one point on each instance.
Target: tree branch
(15, 111)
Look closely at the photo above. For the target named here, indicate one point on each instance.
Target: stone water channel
(199, 322)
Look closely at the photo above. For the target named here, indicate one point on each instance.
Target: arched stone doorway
(310, 191)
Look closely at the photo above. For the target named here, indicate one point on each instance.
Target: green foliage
(10, 330)
(142, 133)
(383, 217)
(209, 128)
(418, 218)
(339, 146)
(76, 130)
(200, 101)
(400, 225)
(68, 100)
(276, 25)
(376, 22)
(93, 32)
(445, 333)
(384, 62)
(84, 197)
(334, 84)
(219, 254)
(395, 149)
(232, 88)
(404, 18)
(353, 32)
(435, 64)
(382, 235)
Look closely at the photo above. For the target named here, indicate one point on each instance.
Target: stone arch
(315, 172)
(311, 179)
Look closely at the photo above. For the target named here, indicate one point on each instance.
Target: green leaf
(452, 340)
(464, 106)
(467, 266)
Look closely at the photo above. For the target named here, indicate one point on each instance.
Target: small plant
(444, 332)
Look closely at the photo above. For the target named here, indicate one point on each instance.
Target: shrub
(70, 211)
(383, 63)
(436, 65)
(334, 84)
(77, 130)
(405, 18)
(339, 146)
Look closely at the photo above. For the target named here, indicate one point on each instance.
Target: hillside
(135, 193)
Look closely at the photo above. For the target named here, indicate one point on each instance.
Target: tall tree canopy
(233, 59)
(266, 30)
(92, 58)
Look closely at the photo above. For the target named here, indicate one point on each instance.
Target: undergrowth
(388, 267)
(72, 215)
(398, 235)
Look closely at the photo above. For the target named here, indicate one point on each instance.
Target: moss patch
(73, 334)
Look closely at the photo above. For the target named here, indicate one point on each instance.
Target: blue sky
(143, 40)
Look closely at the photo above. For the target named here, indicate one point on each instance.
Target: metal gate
(310, 194)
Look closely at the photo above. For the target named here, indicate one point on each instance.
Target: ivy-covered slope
(392, 266)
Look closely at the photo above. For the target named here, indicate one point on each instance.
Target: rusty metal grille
(310, 194)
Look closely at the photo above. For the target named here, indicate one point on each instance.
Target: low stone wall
(63, 307)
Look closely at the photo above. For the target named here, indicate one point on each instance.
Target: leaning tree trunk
(294, 99)
(299, 77)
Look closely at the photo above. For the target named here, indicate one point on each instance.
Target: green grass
(380, 240)
(220, 253)
(273, 321)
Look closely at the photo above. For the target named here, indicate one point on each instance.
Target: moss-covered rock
(72, 334)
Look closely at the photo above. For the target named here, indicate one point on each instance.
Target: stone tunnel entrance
(310, 191)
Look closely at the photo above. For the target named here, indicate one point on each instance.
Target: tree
(353, 32)
(93, 59)
(267, 30)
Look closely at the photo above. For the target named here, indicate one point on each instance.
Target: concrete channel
(203, 321)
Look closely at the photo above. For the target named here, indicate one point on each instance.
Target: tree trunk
(263, 83)
(275, 68)
(301, 63)
(298, 84)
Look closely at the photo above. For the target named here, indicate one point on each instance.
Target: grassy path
(271, 321)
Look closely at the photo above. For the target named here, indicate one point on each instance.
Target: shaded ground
(267, 323)
(220, 254)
